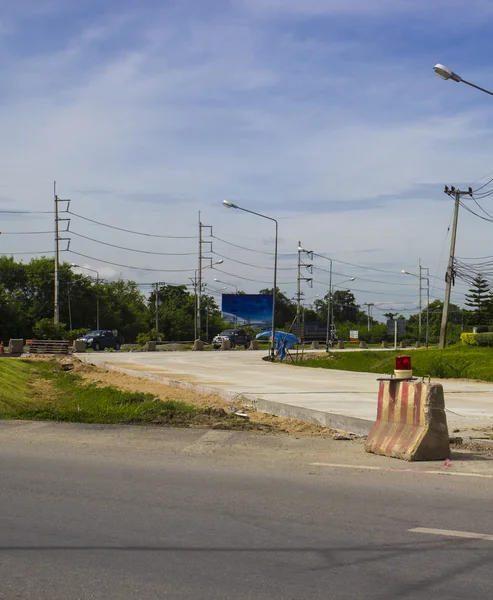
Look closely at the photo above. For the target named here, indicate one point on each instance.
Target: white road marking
(451, 533)
(424, 472)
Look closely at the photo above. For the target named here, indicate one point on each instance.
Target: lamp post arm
(477, 87)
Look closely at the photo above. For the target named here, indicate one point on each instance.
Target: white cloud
(144, 134)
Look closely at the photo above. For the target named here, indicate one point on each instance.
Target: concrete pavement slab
(339, 399)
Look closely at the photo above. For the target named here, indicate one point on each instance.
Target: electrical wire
(130, 267)
(153, 235)
(26, 212)
(251, 249)
(254, 280)
(250, 265)
(363, 279)
(132, 249)
(27, 232)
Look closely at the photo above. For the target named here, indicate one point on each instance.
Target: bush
(484, 339)
(73, 334)
(469, 339)
(482, 329)
(46, 329)
(150, 336)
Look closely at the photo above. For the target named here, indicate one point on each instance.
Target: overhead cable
(153, 235)
(132, 249)
(131, 267)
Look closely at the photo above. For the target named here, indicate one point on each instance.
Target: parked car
(237, 337)
(100, 339)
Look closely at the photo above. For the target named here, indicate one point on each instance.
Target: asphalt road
(115, 513)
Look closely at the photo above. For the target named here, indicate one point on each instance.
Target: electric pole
(56, 315)
(58, 239)
(198, 275)
(369, 305)
(157, 284)
(309, 280)
(450, 274)
(199, 282)
(420, 307)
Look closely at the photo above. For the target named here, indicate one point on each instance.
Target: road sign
(401, 326)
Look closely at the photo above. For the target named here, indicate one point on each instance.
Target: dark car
(237, 337)
(101, 339)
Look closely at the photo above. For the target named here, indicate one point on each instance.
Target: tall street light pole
(445, 73)
(97, 289)
(330, 305)
(228, 204)
(427, 279)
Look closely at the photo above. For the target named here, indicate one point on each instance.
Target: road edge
(279, 409)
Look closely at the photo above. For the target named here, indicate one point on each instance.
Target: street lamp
(226, 283)
(330, 307)
(420, 277)
(228, 204)
(445, 73)
(97, 289)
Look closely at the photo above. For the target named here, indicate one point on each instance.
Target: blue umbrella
(283, 340)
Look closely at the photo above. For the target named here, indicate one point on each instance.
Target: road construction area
(337, 399)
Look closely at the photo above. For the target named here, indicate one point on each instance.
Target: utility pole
(420, 306)
(299, 321)
(58, 239)
(450, 274)
(157, 308)
(198, 284)
(198, 276)
(56, 307)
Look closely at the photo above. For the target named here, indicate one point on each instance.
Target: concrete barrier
(150, 346)
(340, 345)
(16, 347)
(315, 345)
(418, 344)
(226, 345)
(254, 345)
(411, 422)
(362, 344)
(79, 346)
(198, 345)
(385, 345)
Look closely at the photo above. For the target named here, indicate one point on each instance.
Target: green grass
(43, 391)
(460, 362)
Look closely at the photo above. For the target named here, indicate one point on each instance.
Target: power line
(27, 232)
(254, 280)
(26, 212)
(250, 264)
(131, 267)
(132, 249)
(153, 235)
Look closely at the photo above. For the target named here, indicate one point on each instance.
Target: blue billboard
(248, 309)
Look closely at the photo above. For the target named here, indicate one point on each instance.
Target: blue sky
(325, 114)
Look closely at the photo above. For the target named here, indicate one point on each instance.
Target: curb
(279, 409)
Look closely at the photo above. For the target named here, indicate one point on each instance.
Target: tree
(479, 298)
(343, 307)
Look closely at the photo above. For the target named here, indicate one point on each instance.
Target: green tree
(479, 299)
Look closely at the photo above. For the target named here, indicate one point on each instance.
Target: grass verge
(44, 391)
(457, 362)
